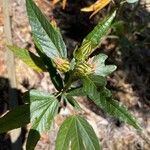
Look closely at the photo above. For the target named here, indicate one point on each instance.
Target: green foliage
(18, 117)
(32, 140)
(100, 68)
(73, 102)
(77, 130)
(77, 92)
(103, 99)
(40, 108)
(54, 75)
(29, 58)
(94, 38)
(46, 35)
(43, 107)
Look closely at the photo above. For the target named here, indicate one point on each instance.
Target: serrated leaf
(47, 36)
(100, 68)
(90, 88)
(73, 102)
(29, 58)
(117, 110)
(64, 134)
(78, 131)
(18, 117)
(104, 100)
(54, 75)
(43, 107)
(94, 38)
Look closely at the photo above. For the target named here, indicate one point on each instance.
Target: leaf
(55, 76)
(29, 58)
(103, 100)
(90, 88)
(43, 107)
(33, 138)
(47, 36)
(98, 80)
(94, 38)
(73, 102)
(97, 6)
(21, 114)
(100, 68)
(76, 92)
(78, 131)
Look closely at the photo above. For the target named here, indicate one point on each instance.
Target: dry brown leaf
(64, 2)
(97, 6)
(55, 1)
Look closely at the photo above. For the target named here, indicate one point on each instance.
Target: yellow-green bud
(84, 51)
(83, 69)
(62, 65)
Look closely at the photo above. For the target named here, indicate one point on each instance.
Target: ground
(129, 84)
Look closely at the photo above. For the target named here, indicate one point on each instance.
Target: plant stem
(58, 94)
(68, 84)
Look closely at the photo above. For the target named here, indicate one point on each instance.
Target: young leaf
(29, 58)
(73, 102)
(18, 117)
(47, 36)
(77, 92)
(43, 107)
(78, 131)
(103, 100)
(100, 68)
(94, 38)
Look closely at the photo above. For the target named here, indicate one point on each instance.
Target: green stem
(58, 94)
(68, 84)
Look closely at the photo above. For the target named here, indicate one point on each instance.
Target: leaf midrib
(42, 114)
(68, 131)
(77, 133)
(41, 23)
(86, 133)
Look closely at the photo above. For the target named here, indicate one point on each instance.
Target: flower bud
(84, 51)
(62, 65)
(83, 69)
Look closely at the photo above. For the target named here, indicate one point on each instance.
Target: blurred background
(128, 47)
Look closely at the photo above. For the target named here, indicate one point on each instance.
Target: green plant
(40, 108)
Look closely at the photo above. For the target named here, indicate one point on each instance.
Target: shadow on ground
(5, 140)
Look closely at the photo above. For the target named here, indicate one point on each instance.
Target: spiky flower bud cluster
(83, 68)
(62, 65)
